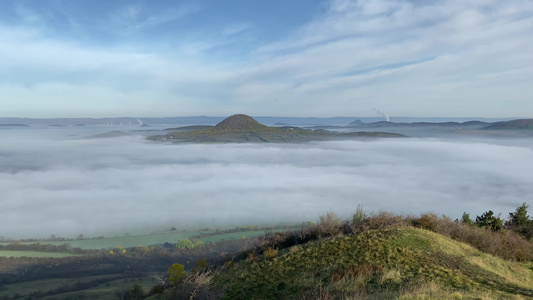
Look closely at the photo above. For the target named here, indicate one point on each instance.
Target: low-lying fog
(56, 181)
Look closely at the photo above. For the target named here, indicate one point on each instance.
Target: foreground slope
(402, 262)
(241, 128)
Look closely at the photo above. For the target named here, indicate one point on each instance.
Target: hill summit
(239, 122)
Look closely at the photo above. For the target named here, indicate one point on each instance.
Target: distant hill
(14, 125)
(359, 123)
(241, 128)
(356, 123)
(111, 134)
(510, 125)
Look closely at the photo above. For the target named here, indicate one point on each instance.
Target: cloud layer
(341, 57)
(56, 184)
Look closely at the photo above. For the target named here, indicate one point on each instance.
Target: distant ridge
(14, 125)
(513, 124)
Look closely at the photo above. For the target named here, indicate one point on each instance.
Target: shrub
(383, 219)
(506, 245)
(270, 253)
(426, 221)
(251, 257)
(329, 224)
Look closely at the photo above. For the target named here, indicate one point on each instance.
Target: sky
(63, 182)
(449, 58)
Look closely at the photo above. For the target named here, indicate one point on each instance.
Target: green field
(148, 239)
(34, 254)
(125, 241)
(232, 236)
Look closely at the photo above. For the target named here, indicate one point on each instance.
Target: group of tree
(518, 221)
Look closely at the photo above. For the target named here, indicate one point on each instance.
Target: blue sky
(450, 58)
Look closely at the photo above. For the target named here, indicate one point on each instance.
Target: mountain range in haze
(205, 120)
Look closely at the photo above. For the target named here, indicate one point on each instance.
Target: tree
(466, 219)
(488, 220)
(359, 216)
(176, 273)
(519, 217)
(200, 264)
(185, 244)
(519, 222)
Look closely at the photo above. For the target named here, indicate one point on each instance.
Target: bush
(383, 219)
(426, 221)
(506, 245)
(270, 253)
(329, 224)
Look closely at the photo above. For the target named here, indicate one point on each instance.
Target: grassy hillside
(402, 262)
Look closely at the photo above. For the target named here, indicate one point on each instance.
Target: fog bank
(64, 185)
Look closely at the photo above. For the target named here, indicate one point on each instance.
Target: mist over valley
(107, 180)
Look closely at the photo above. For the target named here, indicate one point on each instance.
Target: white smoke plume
(382, 113)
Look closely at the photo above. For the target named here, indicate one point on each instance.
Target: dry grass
(435, 291)
(513, 273)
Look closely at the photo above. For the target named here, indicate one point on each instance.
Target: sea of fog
(66, 181)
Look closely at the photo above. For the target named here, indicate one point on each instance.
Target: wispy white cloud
(235, 29)
(411, 57)
(134, 19)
